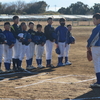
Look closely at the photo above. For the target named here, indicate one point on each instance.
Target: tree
(62, 10)
(75, 8)
(36, 8)
(96, 8)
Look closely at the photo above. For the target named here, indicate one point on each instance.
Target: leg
(39, 53)
(28, 58)
(48, 51)
(66, 55)
(96, 61)
(16, 54)
(1, 53)
(22, 54)
(7, 57)
(60, 57)
(32, 50)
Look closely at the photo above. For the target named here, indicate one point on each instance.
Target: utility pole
(55, 8)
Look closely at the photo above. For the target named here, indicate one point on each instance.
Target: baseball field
(66, 82)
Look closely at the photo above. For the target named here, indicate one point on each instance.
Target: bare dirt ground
(67, 82)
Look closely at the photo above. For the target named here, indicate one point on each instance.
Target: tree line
(20, 7)
(80, 8)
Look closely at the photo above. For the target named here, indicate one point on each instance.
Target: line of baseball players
(16, 43)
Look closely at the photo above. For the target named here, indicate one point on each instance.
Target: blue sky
(58, 3)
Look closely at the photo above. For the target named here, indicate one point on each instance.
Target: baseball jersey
(41, 38)
(33, 34)
(15, 30)
(26, 37)
(49, 32)
(62, 34)
(94, 39)
(9, 37)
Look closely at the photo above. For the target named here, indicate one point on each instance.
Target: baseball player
(8, 46)
(16, 49)
(41, 39)
(61, 40)
(69, 27)
(32, 44)
(2, 41)
(25, 39)
(49, 30)
(93, 45)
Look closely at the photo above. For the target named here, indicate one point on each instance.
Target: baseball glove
(89, 55)
(57, 50)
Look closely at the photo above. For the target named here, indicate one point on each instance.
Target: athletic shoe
(30, 67)
(40, 66)
(9, 71)
(1, 71)
(95, 85)
(20, 69)
(68, 63)
(51, 66)
(60, 64)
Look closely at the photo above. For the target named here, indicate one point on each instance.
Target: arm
(93, 38)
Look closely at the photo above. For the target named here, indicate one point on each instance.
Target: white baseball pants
(96, 58)
(16, 50)
(66, 50)
(39, 51)
(62, 48)
(7, 54)
(48, 49)
(25, 50)
(1, 52)
(32, 49)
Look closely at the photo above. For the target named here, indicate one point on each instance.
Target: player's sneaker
(20, 69)
(51, 66)
(1, 71)
(60, 64)
(40, 66)
(68, 63)
(30, 67)
(95, 85)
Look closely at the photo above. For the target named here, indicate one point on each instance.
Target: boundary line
(73, 82)
(47, 80)
(41, 81)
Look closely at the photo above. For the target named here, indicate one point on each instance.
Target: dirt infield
(67, 82)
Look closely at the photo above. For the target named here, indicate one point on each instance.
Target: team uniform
(94, 43)
(24, 49)
(2, 41)
(7, 50)
(32, 46)
(61, 40)
(50, 37)
(16, 49)
(41, 39)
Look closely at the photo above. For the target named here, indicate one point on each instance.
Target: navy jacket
(62, 34)
(15, 30)
(94, 39)
(9, 37)
(33, 34)
(49, 32)
(26, 37)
